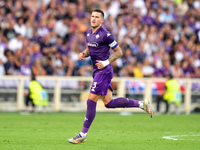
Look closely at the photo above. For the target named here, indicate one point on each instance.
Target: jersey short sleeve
(110, 40)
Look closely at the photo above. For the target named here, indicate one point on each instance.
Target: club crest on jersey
(97, 36)
(88, 34)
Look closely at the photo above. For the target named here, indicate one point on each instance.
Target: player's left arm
(110, 40)
(117, 53)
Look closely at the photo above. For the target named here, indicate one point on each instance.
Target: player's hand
(81, 56)
(102, 64)
(99, 64)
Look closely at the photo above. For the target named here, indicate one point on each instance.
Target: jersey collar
(96, 30)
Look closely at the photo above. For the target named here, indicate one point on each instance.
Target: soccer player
(99, 42)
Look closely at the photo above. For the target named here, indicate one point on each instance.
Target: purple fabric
(99, 44)
(101, 83)
(25, 70)
(168, 49)
(156, 71)
(190, 69)
(64, 50)
(158, 24)
(134, 49)
(192, 25)
(163, 71)
(147, 20)
(122, 102)
(80, 14)
(90, 115)
(154, 5)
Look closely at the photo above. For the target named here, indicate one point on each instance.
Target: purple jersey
(99, 44)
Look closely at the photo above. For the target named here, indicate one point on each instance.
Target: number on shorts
(94, 86)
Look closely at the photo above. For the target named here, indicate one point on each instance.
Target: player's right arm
(84, 54)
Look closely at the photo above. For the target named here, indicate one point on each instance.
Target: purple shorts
(101, 83)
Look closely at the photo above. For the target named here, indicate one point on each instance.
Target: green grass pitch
(109, 131)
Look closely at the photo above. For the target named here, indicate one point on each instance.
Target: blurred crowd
(45, 37)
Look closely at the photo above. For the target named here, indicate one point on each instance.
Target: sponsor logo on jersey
(93, 44)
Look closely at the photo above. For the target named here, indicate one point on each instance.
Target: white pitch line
(175, 137)
(169, 138)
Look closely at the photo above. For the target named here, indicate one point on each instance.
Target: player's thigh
(107, 98)
(94, 97)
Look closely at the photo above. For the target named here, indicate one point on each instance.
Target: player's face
(96, 19)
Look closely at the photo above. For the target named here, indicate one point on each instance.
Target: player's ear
(102, 20)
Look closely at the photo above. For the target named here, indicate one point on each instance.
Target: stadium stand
(161, 32)
(157, 37)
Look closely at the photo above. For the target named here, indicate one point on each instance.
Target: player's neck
(94, 29)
